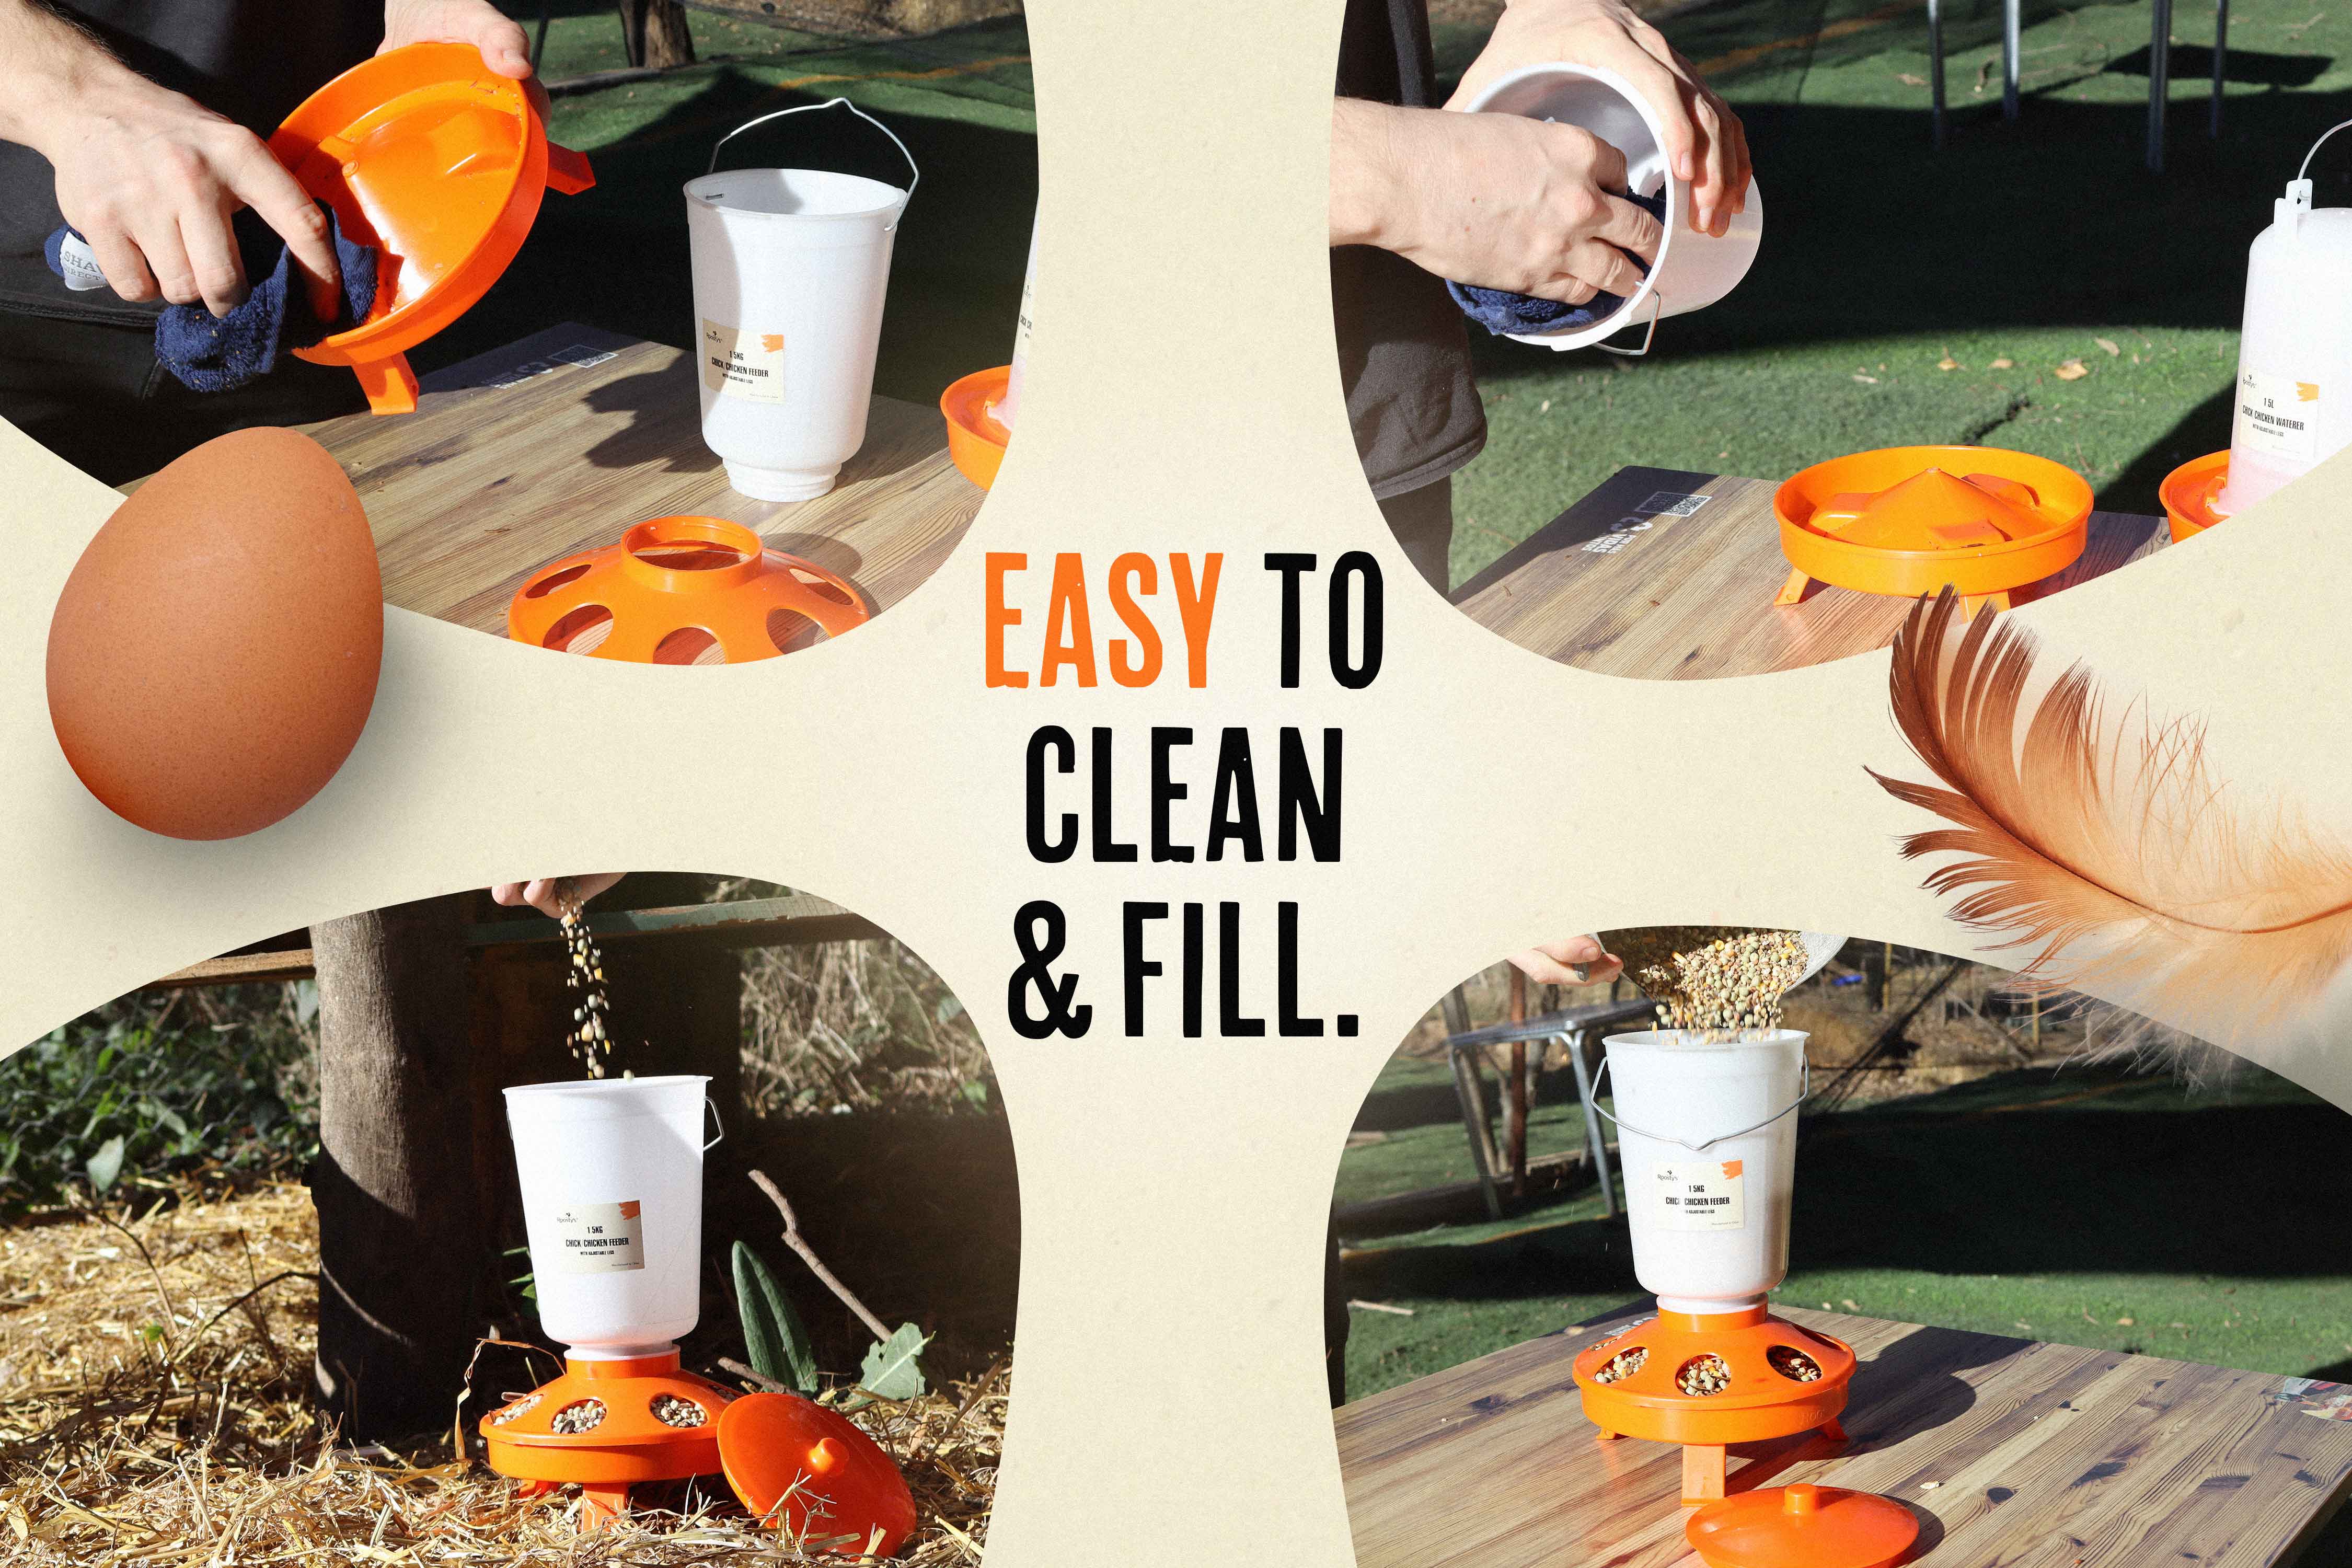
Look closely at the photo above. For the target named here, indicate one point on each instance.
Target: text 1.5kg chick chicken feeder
(683, 590)
(439, 163)
(1907, 520)
(1707, 1140)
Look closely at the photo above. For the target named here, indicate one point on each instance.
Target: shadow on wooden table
(650, 399)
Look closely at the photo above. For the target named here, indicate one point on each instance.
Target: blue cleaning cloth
(1502, 312)
(209, 353)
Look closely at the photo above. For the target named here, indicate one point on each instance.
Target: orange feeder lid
(683, 590)
(1775, 1378)
(812, 1474)
(1802, 1526)
(2192, 494)
(1907, 520)
(976, 440)
(438, 162)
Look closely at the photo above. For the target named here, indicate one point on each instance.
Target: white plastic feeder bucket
(611, 1200)
(789, 270)
(1693, 270)
(1707, 1138)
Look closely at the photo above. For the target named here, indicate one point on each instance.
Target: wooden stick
(816, 1265)
(759, 1378)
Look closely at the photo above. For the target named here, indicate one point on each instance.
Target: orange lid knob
(813, 1475)
(1802, 1526)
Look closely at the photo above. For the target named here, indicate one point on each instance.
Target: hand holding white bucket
(611, 1171)
(791, 267)
(1693, 270)
(1709, 1148)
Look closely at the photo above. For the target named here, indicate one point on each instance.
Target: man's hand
(553, 897)
(500, 39)
(1578, 960)
(1494, 201)
(148, 178)
(1705, 143)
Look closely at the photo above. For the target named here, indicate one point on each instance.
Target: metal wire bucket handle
(915, 173)
(1657, 302)
(1805, 1090)
(720, 1135)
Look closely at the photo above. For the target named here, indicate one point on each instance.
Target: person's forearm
(49, 62)
(1362, 165)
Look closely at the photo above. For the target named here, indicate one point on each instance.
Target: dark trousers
(92, 393)
(1422, 521)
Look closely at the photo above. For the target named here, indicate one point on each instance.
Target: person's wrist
(1360, 173)
(60, 85)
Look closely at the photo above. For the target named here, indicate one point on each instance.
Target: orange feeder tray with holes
(1776, 1380)
(683, 590)
(1908, 520)
(976, 440)
(439, 163)
(608, 1426)
(2192, 495)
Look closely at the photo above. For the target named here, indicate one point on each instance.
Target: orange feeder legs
(607, 1426)
(976, 440)
(439, 163)
(679, 590)
(1776, 1380)
(1908, 520)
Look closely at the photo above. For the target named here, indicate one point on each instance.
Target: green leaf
(891, 1370)
(106, 1164)
(774, 1336)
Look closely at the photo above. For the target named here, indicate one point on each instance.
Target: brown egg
(213, 656)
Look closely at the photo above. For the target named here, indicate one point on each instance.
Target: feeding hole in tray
(1703, 1374)
(579, 1416)
(689, 645)
(792, 631)
(522, 1406)
(690, 556)
(1623, 1365)
(1793, 1363)
(676, 1410)
(579, 631)
(554, 580)
(822, 588)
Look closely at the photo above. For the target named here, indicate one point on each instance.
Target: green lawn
(2084, 1206)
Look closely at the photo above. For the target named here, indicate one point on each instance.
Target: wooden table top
(559, 442)
(1665, 574)
(2010, 1451)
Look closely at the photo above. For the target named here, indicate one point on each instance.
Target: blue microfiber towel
(1502, 312)
(209, 353)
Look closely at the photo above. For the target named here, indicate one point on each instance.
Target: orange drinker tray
(683, 590)
(1907, 520)
(976, 438)
(438, 162)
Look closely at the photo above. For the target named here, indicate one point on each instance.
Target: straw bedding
(152, 1410)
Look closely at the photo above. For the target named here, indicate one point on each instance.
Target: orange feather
(2099, 838)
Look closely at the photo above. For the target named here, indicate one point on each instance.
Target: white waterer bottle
(2294, 407)
(1008, 408)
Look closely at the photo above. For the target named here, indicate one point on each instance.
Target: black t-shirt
(1405, 352)
(252, 60)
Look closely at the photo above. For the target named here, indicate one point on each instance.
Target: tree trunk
(400, 1231)
(654, 32)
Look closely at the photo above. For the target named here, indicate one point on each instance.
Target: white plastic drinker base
(780, 484)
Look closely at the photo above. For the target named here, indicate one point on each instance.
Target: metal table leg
(2220, 54)
(2159, 82)
(1935, 87)
(1595, 1144)
(2013, 28)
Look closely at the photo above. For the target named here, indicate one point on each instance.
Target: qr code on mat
(1666, 504)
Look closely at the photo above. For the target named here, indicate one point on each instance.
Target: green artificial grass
(2084, 1206)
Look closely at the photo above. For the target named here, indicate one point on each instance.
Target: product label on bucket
(2277, 414)
(1698, 1195)
(597, 1239)
(737, 363)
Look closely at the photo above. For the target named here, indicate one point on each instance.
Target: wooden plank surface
(1665, 574)
(559, 442)
(2011, 1452)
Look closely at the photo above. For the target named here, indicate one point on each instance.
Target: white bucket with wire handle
(1693, 270)
(1707, 1138)
(611, 1200)
(791, 267)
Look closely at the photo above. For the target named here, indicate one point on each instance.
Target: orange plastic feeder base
(976, 440)
(1908, 520)
(607, 1426)
(1772, 1379)
(1801, 1526)
(439, 163)
(683, 590)
(2192, 494)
